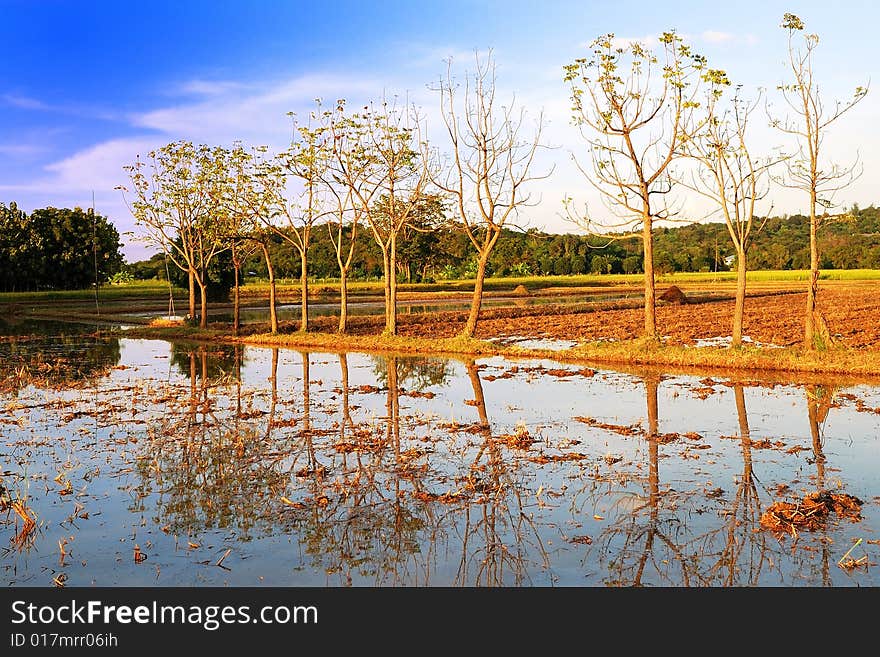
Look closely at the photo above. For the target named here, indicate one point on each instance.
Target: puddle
(550, 344)
(725, 340)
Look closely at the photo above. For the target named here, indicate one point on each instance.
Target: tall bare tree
(491, 162)
(294, 211)
(259, 193)
(395, 188)
(633, 111)
(808, 171)
(176, 201)
(348, 181)
(730, 176)
(242, 206)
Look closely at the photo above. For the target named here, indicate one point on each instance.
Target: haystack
(673, 294)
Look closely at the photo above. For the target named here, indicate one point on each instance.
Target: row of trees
(345, 172)
(652, 124)
(56, 248)
(440, 252)
(656, 126)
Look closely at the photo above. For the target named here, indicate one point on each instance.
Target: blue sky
(85, 87)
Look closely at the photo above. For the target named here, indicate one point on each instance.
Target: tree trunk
(813, 416)
(343, 300)
(479, 398)
(650, 297)
(392, 315)
(203, 299)
(651, 386)
(192, 294)
(813, 286)
(386, 264)
(236, 309)
(304, 290)
(739, 305)
(470, 327)
(273, 315)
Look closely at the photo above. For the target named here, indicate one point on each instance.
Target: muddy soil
(773, 318)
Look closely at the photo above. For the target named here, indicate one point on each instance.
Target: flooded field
(292, 311)
(143, 463)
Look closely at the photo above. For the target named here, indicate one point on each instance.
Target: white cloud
(649, 41)
(713, 36)
(209, 87)
(24, 102)
(231, 111)
(100, 167)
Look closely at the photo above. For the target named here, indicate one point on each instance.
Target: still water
(146, 463)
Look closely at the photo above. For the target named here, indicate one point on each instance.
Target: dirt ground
(852, 312)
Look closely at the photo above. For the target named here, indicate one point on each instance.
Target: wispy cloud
(649, 41)
(69, 109)
(24, 102)
(228, 110)
(101, 166)
(713, 36)
(209, 87)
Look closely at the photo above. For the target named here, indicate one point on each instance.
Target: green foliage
(56, 249)
(121, 278)
(445, 253)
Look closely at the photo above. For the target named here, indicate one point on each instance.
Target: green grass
(159, 289)
(105, 292)
(583, 280)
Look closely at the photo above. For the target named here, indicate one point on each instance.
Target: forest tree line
(444, 253)
(56, 249)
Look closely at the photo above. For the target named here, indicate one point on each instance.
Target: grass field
(289, 288)
(506, 284)
(105, 292)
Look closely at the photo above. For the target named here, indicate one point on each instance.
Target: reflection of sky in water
(319, 308)
(103, 437)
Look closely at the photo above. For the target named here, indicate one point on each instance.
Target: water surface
(146, 463)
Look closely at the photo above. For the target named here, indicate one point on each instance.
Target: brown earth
(852, 312)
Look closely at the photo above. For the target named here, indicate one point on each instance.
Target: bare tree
(633, 118)
(398, 180)
(294, 212)
(490, 163)
(176, 202)
(348, 180)
(807, 170)
(242, 207)
(262, 238)
(731, 177)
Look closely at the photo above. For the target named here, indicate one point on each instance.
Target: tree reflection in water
(208, 467)
(366, 523)
(744, 553)
(385, 496)
(497, 535)
(653, 542)
(59, 360)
